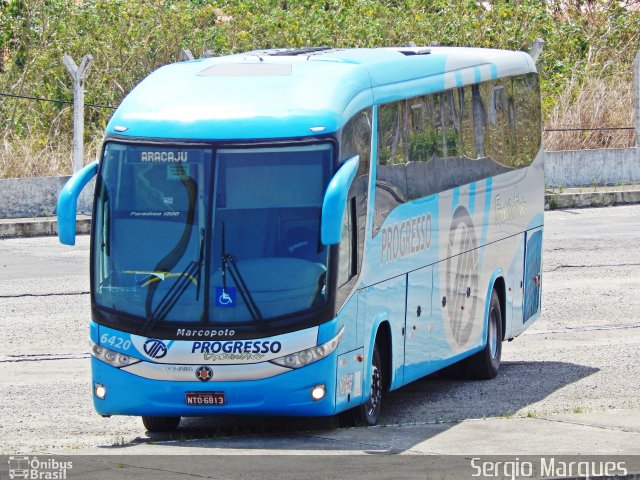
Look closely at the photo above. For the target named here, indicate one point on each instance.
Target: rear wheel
(485, 364)
(161, 424)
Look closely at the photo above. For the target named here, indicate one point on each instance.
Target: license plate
(210, 399)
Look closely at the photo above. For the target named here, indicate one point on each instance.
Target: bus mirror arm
(335, 200)
(68, 203)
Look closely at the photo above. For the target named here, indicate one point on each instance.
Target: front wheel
(485, 364)
(368, 413)
(161, 424)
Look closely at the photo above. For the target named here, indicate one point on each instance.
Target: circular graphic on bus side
(461, 278)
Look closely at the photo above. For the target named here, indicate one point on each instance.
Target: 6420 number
(115, 341)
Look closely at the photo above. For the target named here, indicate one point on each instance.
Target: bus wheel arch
(500, 288)
(377, 372)
(383, 341)
(485, 364)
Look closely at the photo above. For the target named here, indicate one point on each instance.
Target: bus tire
(161, 424)
(485, 364)
(368, 413)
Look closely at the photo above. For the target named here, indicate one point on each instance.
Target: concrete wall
(577, 168)
(37, 197)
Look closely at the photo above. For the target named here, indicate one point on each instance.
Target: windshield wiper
(190, 273)
(169, 299)
(230, 262)
(200, 262)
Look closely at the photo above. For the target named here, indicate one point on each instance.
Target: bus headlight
(310, 355)
(318, 392)
(99, 391)
(114, 359)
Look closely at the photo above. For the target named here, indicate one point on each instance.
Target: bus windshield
(167, 249)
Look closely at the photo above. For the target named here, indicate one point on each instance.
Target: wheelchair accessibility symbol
(225, 297)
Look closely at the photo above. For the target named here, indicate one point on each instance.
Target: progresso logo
(155, 348)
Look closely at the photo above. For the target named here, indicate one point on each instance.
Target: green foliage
(130, 38)
(423, 145)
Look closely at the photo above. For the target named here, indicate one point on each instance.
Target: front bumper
(287, 394)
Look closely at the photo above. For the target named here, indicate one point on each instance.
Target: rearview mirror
(68, 203)
(335, 200)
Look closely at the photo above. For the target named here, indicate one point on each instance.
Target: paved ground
(568, 386)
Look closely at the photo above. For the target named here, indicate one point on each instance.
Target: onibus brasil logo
(35, 468)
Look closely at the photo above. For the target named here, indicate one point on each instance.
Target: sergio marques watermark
(548, 467)
(22, 466)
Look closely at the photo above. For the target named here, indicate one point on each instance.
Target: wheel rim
(376, 391)
(493, 334)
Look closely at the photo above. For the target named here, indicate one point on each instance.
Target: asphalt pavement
(569, 385)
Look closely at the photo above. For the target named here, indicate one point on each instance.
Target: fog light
(318, 392)
(100, 391)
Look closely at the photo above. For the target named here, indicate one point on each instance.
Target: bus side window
(451, 121)
(502, 105)
(391, 183)
(526, 92)
(479, 121)
(347, 260)
(355, 139)
(511, 105)
(420, 135)
(433, 143)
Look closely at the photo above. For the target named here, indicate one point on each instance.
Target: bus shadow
(436, 402)
(438, 398)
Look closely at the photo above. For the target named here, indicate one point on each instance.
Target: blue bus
(296, 232)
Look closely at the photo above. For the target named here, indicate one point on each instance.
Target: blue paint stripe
(494, 70)
(472, 198)
(477, 74)
(458, 76)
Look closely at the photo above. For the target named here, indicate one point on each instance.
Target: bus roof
(295, 93)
